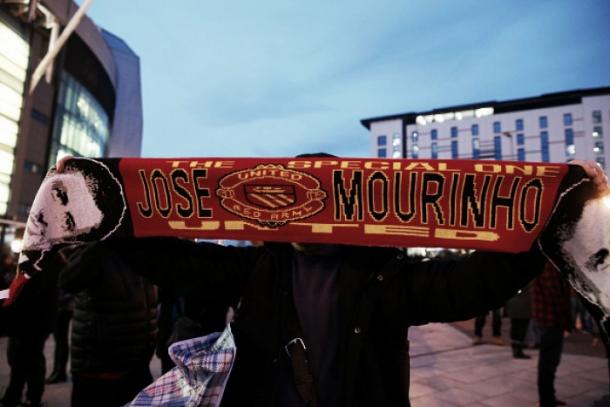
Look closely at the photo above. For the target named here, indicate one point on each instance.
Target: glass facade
(14, 57)
(81, 125)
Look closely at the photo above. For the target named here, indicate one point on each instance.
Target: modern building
(555, 127)
(88, 104)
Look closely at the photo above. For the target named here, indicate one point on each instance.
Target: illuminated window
(396, 139)
(476, 148)
(596, 115)
(598, 131)
(598, 147)
(14, 57)
(81, 125)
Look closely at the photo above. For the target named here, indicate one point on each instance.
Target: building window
(382, 153)
(569, 136)
(569, 140)
(598, 131)
(476, 148)
(434, 147)
(498, 147)
(567, 119)
(81, 124)
(519, 124)
(414, 136)
(475, 129)
(415, 151)
(520, 139)
(521, 154)
(544, 146)
(433, 134)
(543, 122)
(497, 127)
(454, 149)
(598, 147)
(382, 140)
(454, 132)
(601, 161)
(396, 140)
(597, 116)
(396, 153)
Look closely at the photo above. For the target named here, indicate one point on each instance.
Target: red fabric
(551, 300)
(488, 205)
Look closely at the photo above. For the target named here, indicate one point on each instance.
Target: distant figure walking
(551, 310)
(496, 328)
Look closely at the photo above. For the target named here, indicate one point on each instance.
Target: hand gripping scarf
(488, 205)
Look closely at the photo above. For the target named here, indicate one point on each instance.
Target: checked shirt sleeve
(202, 369)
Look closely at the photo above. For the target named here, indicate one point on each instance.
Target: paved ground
(446, 370)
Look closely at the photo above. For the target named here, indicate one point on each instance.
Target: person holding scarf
(323, 324)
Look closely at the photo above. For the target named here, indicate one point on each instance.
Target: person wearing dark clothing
(32, 318)
(60, 335)
(518, 309)
(354, 306)
(496, 327)
(551, 310)
(114, 328)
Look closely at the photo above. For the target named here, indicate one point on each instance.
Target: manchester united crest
(271, 194)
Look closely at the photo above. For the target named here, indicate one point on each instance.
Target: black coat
(114, 326)
(382, 293)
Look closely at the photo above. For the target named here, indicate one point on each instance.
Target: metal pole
(63, 37)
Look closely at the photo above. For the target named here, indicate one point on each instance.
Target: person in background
(60, 335)
(114, 331)
(30, 321)
(518, 309)
(496, 327)
(551, 310)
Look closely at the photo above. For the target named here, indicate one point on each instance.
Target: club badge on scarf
(202, 369)
(488, 205)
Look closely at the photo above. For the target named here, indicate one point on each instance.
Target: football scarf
(487, 205)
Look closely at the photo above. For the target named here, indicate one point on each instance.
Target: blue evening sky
(277, 78)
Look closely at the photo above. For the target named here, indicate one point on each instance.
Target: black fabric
(496, 323)
(381, 293)
(518, 330)
(26, 359)
(114, 324)
(551, 345)
(99, 392)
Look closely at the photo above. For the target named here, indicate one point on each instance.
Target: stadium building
(86, 103)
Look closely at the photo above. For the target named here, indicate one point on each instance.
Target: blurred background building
(88, 103)
(555, 127)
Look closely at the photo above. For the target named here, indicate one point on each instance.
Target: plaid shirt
(551, 300)
(202, 369)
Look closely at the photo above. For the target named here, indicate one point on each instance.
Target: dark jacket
(519, 306)
(114, 326)
(382, 294)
